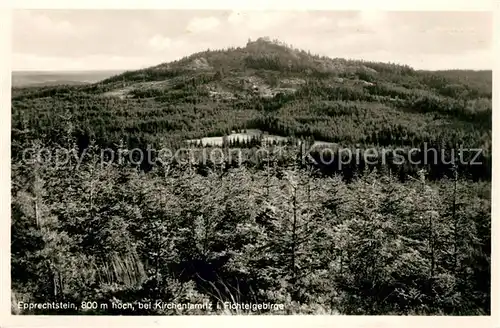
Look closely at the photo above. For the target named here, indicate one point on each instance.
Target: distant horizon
(67, 71)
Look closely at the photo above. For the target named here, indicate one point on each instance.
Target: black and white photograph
(169, 162)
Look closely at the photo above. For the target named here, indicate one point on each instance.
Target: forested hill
(270, 86)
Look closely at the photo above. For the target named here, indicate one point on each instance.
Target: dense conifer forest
(317, 235)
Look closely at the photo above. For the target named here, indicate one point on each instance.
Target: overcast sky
(130, 39)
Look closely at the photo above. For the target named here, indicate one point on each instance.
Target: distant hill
(52, 78)
(482, 79)
(268, 68)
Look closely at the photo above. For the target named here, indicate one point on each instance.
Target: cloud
(372, 18)
(159, 42)
(197, 24)
(322, 21)
(235, 18)
(66, 38)
(40, 23)
(260, 20)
